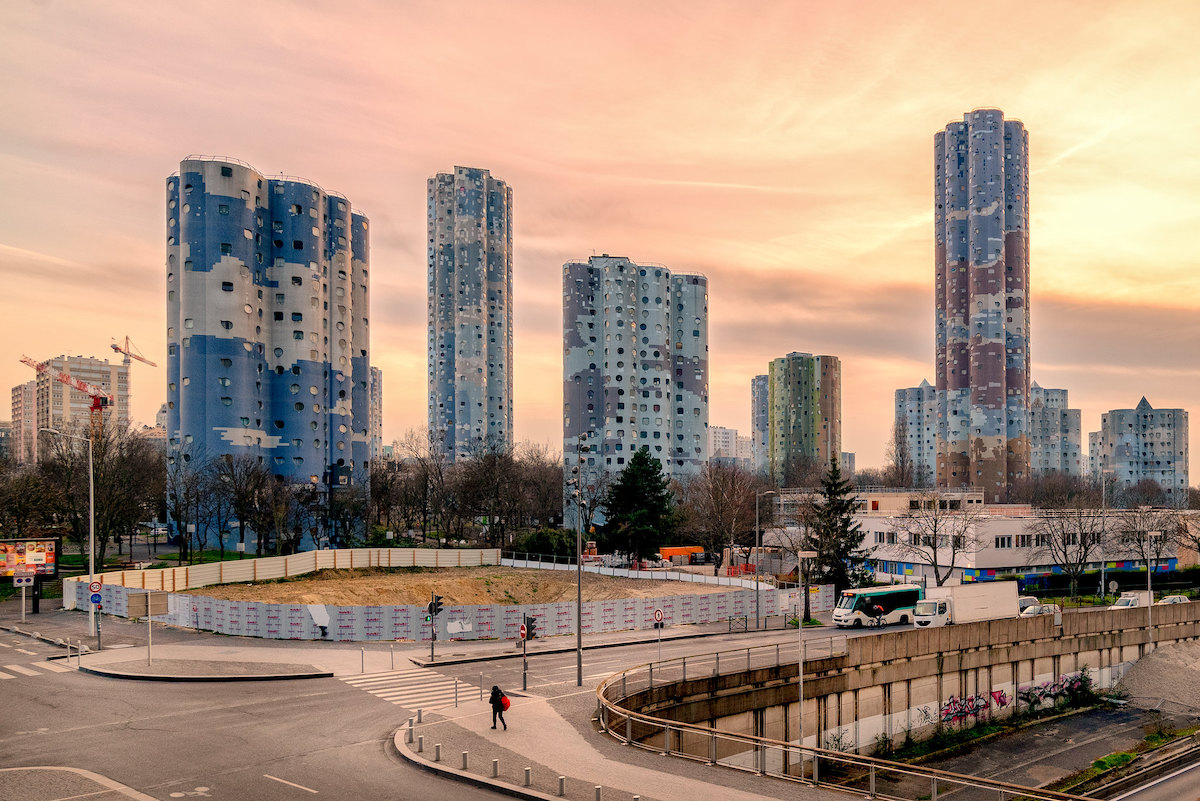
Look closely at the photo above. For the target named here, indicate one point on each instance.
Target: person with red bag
(499, 702)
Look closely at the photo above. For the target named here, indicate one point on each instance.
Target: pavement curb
(59, 642)
(447, 772)
(113, 674)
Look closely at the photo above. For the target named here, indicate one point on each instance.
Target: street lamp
(800, 557)
(580, 450)
(1149, 591)
(758, 557)
(91, 522)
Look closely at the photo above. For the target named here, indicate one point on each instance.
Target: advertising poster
(38, 556)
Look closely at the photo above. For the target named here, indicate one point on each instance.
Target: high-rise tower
(635, 364)
(267, 313)
(981, 232)
(470, 311)
(804, 430)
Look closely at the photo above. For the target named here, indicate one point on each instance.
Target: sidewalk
(541, 736)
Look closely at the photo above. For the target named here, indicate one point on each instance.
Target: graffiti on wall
(957, 708)
(1051, 691)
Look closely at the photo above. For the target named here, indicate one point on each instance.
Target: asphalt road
(260, 740)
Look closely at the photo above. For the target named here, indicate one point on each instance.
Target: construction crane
(101, 400)
(130, 350)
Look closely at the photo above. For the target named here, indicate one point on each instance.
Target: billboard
(29, 555)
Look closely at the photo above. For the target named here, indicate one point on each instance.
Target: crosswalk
(14, 671)
(413, 688)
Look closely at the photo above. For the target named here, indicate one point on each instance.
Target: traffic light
(435, 606)
(530, 627)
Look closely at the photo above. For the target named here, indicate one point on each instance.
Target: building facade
(376, 415)
(22, 447)
(635, 364)
(917, 422)
(470, 312)
(1143, 443)
(268, 346)
(760, 420)
(981, 242)
(1055, 433)
(805, 414)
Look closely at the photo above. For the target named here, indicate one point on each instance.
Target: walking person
(499, 702)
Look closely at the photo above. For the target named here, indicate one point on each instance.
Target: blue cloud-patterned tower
(268, 349)
(635, 366)
(470, 312)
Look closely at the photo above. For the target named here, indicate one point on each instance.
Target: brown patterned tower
(981, 230)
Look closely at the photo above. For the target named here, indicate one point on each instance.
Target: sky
(783, 149)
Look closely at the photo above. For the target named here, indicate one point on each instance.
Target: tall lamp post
(91, 522)
(758, 558)
(580, 449)
(1149, 591)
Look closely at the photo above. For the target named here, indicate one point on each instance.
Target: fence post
(651, 675)
(684, 669)
(628, 729)
(872, 795)
(933, 794)
(816, 768)
(667, 740)
(712, 749)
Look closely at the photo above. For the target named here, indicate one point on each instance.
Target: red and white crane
(130, 350)
(101, 400)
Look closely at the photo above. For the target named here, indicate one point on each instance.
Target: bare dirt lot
(457, 585)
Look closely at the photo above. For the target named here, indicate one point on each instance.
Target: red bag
(505, 703)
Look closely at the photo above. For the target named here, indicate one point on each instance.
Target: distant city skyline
(791, 167)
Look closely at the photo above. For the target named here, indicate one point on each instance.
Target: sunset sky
(783, 149)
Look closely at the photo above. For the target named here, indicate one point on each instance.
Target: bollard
(481, 686)
(420, 743)
(464, 755)
(392, 652)
(562, 786)
(409, 737)
(420, 715)
(437, 752)
(597, 792)
(528, 776)
(495, 768)
(362, 666)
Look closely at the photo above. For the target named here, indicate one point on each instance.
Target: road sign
(658, 616)
(147, 604)
(524, 631)
(96, 598)
(94, 587)
(25, 580)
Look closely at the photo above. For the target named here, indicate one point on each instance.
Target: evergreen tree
(639, 507)
(837, 539)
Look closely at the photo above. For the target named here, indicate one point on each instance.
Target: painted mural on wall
(958, 709)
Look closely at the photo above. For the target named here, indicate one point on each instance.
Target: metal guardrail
(825, 767)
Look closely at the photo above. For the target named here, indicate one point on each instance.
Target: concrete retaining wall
(916, 682)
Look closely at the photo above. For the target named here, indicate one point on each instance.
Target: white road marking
(23, 651)
(5, 645)
(413, 688)
(54, 667)
(24, 671)
(4, 675)
(289, 784)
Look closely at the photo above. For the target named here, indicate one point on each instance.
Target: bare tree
(541, 483)
(1069, 538)
(241, 479)
(939, 531)
(1150, 535)
(25, 500)
(489, 486)
(797, 538)
(720, 503)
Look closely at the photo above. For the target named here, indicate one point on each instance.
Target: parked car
(1044, 609)
(1172, 599)
(1026, 601)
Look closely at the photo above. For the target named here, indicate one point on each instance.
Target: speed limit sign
(94, 587)
(658, 616)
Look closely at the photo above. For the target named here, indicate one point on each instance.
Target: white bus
(877, 605)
